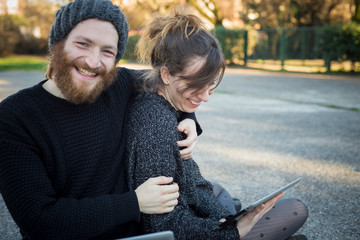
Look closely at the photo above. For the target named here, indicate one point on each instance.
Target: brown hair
(173, 41)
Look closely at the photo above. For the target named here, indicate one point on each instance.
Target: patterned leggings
(286, 217)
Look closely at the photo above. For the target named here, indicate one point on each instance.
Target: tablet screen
(249, 208)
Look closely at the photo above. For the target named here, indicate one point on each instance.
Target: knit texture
(152, 151)
(61, 169)
(68, 16)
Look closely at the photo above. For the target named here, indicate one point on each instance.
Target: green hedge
(10, 33)
(232, 43)
(341, 42)
(130, 53)
(14, 40)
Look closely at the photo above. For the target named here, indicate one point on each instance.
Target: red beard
(61, 67)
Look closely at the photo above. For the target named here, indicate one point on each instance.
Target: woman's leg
(286, 217)
(224, 197)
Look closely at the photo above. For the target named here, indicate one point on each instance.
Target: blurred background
(310, 128)
(278, 35)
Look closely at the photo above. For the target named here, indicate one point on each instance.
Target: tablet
(165, 235)
(249, 208)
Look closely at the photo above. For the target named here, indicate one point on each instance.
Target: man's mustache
(86, 67)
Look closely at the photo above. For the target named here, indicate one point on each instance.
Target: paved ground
(262, 130)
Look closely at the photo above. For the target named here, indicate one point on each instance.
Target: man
(62, 140)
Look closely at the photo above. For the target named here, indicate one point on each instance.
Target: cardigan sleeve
(152, 151)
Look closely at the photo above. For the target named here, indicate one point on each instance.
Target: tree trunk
(356, 17)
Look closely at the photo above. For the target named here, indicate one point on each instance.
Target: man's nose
(93, 59)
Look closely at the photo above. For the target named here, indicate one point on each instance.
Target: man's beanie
(68, 16)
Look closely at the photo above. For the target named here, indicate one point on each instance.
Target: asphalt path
(262, 130)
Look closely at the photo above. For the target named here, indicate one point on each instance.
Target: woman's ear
(165, 75)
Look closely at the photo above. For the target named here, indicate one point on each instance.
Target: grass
(25, 63)
(302, 66)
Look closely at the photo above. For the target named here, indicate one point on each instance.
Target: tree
(209, 10)
(10, 32)
(295, 13)
(265, 13)
(356, 16)
(157, 6)
(3, 7)
(316, 13)
(144, 10)
(40, 21)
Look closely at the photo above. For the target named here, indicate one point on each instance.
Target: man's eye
(109, 52)
(83, 44)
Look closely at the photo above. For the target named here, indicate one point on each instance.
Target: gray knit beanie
(68, 16)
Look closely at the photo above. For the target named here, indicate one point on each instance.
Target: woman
(187, 66)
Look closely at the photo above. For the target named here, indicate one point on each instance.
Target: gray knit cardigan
(152, 151)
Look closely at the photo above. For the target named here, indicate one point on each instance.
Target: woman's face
(190, 99)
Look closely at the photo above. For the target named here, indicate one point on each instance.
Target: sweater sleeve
(39, 211)
(152, 151)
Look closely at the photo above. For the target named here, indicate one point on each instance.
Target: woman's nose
(204, 96)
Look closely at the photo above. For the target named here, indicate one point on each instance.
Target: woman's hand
(188, 127)
(247, 222)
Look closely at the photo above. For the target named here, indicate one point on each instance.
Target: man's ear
(165, 75)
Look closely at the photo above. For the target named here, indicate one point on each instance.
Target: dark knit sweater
(152, 151)
(61, 168)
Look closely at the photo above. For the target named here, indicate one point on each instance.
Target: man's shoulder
(130, 75)
(19, 107)
(22, 97)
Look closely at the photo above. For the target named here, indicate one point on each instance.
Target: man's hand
(247, 222)
(155, 196)
(188, 127)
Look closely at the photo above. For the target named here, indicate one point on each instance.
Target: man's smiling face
(84, 66)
